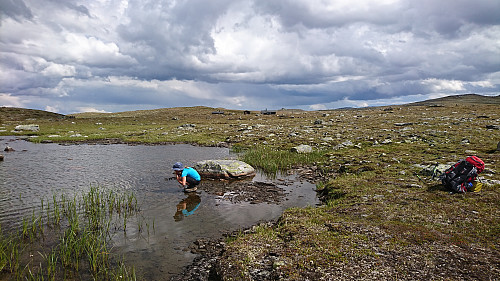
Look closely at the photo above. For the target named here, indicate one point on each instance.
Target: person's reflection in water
(187, 206)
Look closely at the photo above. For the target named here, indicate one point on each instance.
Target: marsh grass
(84, 225)
(273, 160)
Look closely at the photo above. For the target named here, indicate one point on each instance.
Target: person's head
(178, 167)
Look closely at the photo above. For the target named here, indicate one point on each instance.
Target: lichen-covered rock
(433, 170)
(303, 148)
(31, 127)
(224, 169)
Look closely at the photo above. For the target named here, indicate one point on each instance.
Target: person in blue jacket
(186, 176)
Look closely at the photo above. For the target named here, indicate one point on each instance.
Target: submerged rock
(224, 169)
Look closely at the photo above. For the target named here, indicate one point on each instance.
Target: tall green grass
(275, 160)
(83, 226)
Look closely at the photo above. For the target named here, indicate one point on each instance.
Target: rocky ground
(246, 191)
(425, 257)
(382, 218)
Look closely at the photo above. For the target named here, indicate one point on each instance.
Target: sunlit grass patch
(274, 160)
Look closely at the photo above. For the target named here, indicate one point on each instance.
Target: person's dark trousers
(191, 182)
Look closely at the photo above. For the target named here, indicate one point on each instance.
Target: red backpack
(460, 176)
(477, 162)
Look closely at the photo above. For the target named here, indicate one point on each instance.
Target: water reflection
(187, 206)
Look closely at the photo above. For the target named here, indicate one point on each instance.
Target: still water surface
(35, 171)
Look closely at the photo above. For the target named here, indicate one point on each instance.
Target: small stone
(493, 127)
(347, 143)
(278, 264)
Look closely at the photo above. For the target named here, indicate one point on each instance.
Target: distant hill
(21, 114)
(469, 98)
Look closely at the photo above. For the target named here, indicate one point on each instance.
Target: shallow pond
(35, 171)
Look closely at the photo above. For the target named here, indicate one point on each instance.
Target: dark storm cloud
(15, 9)
(72, 55)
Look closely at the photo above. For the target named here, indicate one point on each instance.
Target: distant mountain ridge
(20, 114)
(468, 98)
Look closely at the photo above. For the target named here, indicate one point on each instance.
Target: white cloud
(59, 70)
(94, 52)
(438, 85)
(8, 100)
(51, 108)
(90, 109)
(317, 107)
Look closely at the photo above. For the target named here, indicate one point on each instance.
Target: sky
(70, 56)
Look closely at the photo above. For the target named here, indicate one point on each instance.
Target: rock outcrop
(224, 169)
(31, 127)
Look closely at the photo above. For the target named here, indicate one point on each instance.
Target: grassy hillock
(461, 99)
(382, 218)
(22, 114)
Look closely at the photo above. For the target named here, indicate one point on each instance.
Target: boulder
(9, 149)
(32, 127)
(1, 157)
(303, 148)
(433, 170)
(224, 169)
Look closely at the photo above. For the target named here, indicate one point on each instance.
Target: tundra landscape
(384, 214)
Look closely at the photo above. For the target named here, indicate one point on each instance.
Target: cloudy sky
(72, 56)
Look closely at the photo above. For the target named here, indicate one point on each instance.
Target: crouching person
(187, 177)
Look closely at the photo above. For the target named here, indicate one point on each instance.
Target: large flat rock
(224, 169)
